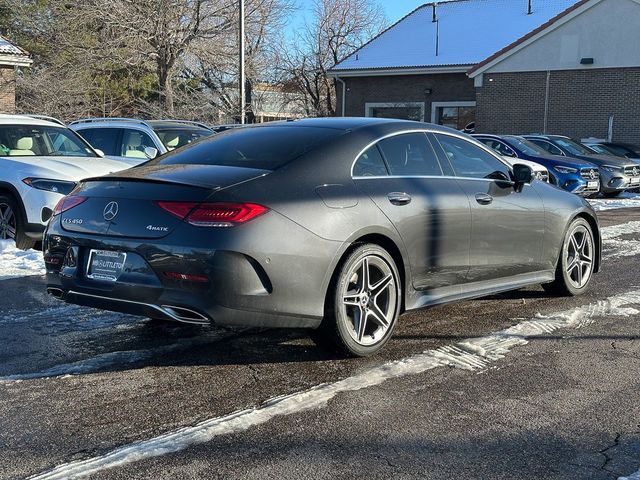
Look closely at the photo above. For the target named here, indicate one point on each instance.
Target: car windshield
(31, 140)
(620, 150)
(572, 147)
(173, 138)
(605, 150)
(525, 146)
(266, 148)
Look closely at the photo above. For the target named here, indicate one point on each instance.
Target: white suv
(40, 162)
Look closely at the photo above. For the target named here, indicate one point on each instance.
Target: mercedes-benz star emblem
(110, 211)
(592, 174)
(635, 171)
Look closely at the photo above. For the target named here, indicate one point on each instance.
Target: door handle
(484, 198)
(399, 198)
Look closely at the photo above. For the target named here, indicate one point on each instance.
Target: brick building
(511, 66)
(11, 56)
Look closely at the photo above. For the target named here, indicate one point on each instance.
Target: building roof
(468, 32)
(13, 55)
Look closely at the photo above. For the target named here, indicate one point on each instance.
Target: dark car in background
(626, 150)
(573, 175)
(334, 224)
(616, 174)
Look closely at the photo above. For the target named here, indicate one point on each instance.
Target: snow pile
(19, 263)
(625, 200)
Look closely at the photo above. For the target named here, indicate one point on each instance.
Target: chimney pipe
(530, 10)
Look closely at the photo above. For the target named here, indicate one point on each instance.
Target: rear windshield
(266, 148)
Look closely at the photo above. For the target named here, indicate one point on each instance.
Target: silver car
(616, 174)
(135, 140)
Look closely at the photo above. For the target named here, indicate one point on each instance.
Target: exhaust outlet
(55, 292)
(182, 314)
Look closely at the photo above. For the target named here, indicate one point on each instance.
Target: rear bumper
(213, 314)
(255, 277)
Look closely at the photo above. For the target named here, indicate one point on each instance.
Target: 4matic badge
(155, 228)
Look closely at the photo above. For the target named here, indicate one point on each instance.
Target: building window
(456, 115)
(401, 110)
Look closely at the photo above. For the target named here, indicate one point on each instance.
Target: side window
(134, 143)
(469, 160)
(103, 139)
(370, 164)
(410, 154)
(549, 147)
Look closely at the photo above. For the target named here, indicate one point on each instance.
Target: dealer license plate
(635, 180)
(593, 184)
(105, 265)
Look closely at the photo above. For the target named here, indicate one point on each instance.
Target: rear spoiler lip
(115, 178)
(208, 186)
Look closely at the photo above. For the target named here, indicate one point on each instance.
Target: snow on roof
(8, 48)
(469, 32)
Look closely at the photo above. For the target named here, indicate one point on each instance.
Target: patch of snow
(624, 200)
(19, 263)
(615, 246)
(474, 354)
(633, 476)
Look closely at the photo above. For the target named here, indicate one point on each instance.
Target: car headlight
(57, 186)
(563, 169)
(612, 168)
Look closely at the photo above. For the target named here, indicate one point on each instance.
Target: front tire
(576, 262)
(12, 224)
(363, 304)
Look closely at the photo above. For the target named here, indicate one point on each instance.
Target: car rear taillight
(67, 203)
(213, 214)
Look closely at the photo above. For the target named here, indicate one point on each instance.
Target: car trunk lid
(126, 204)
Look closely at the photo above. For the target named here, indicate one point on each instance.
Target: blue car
(576, 176)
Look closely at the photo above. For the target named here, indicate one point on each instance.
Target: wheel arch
(393, 246)
(8, 188)
(595, 228)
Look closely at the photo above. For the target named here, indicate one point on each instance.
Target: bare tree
(161, 32)
(338, 27)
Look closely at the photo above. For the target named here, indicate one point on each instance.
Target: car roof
(26, 120)
(115, 122)
(177, 124)
(355, 123)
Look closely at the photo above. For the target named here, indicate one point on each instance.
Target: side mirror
(99, 152)
(151, 152)
(522, 174)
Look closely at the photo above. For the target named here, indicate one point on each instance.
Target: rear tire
(363, 303)
(576, 261)
(12, 224)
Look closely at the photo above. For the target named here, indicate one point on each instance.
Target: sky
(394, 10)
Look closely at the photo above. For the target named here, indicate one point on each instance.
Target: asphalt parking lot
(546, 388)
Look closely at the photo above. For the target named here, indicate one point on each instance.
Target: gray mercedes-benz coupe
(337, 225)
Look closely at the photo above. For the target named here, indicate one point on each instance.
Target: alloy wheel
(579, 256)
(7, 222)
(370, 300)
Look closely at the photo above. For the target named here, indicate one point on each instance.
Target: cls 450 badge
(74, 221)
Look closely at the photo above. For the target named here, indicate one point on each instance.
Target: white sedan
(40, 162)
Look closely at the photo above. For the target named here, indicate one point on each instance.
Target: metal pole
(241, 47)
